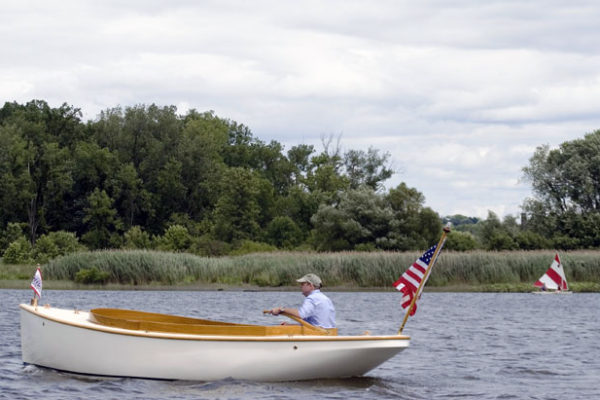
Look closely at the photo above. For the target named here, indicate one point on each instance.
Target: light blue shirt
(317, 309)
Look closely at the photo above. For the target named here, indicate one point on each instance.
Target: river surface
(463, 346)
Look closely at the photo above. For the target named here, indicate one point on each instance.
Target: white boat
(127, 343)
(554, 280)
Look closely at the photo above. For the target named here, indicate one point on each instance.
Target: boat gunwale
(198, 337)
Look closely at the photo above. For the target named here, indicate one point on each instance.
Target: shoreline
(23, 284)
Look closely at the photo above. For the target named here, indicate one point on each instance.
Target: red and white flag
(554, 278)
(409, 282)
(36, 283)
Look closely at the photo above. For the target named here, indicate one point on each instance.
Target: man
(317, 309)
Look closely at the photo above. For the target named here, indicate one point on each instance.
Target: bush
(176, 238)
(563, 242)
(18, 252)
(45, 250)
(501, 241)
(528, 240)
(55, 244)
(13, 232)
(136, 238)
(283, 233)
(460, 241)
(248, 246)
(91, 276)
(208, 247)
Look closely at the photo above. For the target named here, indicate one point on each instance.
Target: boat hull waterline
(68, 340)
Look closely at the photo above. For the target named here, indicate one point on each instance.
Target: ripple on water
(463, 345)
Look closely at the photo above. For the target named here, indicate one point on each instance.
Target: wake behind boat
(554, 280)
(114, 342)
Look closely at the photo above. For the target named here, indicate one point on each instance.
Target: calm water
(479, 346)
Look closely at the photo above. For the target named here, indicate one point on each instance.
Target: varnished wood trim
(160, 335)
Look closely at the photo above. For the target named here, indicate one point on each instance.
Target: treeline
(146, 177)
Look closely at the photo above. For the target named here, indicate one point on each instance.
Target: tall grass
(347, 269)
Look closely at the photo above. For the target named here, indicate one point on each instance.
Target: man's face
(306, 287)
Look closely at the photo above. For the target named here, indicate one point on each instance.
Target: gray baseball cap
(311, 278)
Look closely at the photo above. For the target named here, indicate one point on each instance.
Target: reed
(343, 269)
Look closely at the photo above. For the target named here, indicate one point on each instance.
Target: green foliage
(136, 238)
(283, 233)
(209, 247)
(18, 252)
(92, 276)
(45, 250)
(147, 166)
(367, 169)
(13, 232)
(348, 269)
(566, 184)
(101, 219)
(460, 241)
(361, 216)
(528, 240)
(501, 241)
(176, 238)
(249, 246)
(237, 212)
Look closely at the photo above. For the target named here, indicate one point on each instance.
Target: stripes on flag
(36, 283)
(409, 282)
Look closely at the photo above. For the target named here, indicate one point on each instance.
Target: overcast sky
(460, 93)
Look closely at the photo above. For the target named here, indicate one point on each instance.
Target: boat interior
(154, 322)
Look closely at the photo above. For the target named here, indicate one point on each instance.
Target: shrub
(501, 241)
(248, 246)
(18, 252)
(176, 238)
(528, 240)
(136, 238)
(208, 247)
(55, 244)
(91, 276)
(14, 231)
(283, 233)
(460, 241)
(45, 250)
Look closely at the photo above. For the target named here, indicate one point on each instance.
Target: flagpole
(438, 248)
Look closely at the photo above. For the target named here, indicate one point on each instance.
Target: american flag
(409, 282)
(36, 283)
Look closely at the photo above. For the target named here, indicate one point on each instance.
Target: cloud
(460, 94)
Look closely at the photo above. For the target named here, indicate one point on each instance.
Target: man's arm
(285, 310)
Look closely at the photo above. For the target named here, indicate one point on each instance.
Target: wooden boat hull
(69, 340)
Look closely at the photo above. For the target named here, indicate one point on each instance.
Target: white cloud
(459, 94)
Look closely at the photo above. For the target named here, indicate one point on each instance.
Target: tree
(566, 186)
(101, 219)
(283, 233)
(460, 241)
(202, 147)
(48, 133)
(360, 217)
(15, 178)
(368, 168)
(237, 212)
(412, 226)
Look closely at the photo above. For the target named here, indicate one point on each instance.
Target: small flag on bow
(36, 283)
(410, 281)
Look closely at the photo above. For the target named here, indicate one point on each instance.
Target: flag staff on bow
(413, 301)
(36, 285)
